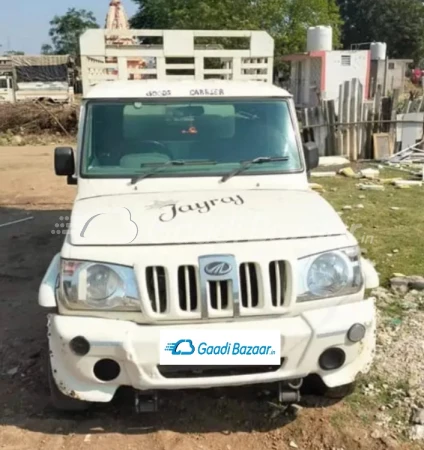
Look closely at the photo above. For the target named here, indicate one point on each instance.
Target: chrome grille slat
(277, 275)
(187, 288)
(249, 285)
(219, 295)
(157, 288)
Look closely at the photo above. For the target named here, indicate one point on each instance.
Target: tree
(14, 52)
(66, 30)
(286, 20)
(398, 23)
(47, 49)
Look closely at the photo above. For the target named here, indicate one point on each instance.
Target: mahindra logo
(218, 268)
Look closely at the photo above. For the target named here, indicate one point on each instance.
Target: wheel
(61, 401)
(340, 392)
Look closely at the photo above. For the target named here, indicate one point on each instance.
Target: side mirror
(311, 152)
(64, 161)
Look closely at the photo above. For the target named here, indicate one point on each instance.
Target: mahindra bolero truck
(196, 254)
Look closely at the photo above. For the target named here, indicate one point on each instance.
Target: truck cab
(6, 89)
(197, 256)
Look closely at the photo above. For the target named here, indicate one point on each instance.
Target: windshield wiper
(138, 178)
(247, 164)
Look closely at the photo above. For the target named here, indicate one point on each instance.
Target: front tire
(340, 392)
(61, 401)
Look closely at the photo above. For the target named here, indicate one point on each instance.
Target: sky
(24, 24)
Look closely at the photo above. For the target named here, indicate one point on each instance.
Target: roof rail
(111, 55)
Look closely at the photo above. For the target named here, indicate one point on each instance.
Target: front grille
(249, 285)
(187, 288)
(261, 289)
(156, 283)
(214, 371)
(277, 276)
(219, 295)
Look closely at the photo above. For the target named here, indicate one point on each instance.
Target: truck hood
(202, 217)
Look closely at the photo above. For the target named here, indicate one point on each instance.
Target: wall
(305, 81)
(337, 71)
(395, 75)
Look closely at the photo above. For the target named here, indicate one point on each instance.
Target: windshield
(214, 137)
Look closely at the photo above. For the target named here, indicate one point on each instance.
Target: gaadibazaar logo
(186, 347)
(220, 347)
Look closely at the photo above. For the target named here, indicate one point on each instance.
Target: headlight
(98, 286)
(331, 274)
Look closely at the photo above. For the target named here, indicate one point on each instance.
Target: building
(117, 19)
(390, 74)
(319, 73)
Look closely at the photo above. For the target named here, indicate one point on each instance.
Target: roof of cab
(183, 89)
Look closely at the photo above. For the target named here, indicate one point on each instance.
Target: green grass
(378, 229)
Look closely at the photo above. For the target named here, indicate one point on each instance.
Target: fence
(363, 129)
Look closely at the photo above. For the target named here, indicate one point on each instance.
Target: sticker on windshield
(204, 92)
(160, 93)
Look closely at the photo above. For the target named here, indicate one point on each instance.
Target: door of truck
(6, 89)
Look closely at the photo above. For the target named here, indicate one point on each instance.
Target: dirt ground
(189, 420)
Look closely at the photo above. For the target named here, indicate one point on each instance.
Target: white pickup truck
(29, 78)
(197, 255)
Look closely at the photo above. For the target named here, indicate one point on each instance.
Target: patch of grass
(385, 393)
(379, 229)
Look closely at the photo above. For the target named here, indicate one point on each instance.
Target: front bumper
(136, 349)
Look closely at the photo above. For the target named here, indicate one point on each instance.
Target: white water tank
(378, 51)
(319, 39)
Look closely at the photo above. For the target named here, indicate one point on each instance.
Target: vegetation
(286, 20)
(399, 23)
(388, 236)
(66, 30)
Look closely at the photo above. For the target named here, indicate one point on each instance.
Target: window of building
(392, 66)
(346, 60)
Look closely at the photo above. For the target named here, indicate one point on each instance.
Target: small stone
(370, 173)
(87, 438)
(347, 172)
(395, 250)
(360, 206)
(418, 417)
(293, 444)
(362, 197)
(400, 284)
(347, 208)
(417, 433)
(333, 189)
(376, 434)
(13, 371)
(295, 409)
(371, 187)
(395, 208)
(226, 432)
